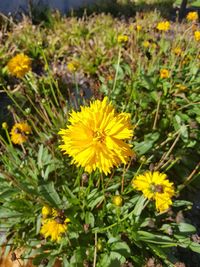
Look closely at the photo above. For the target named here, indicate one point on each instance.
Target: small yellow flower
(146, 44)
(19, 133)
(138, 28)
(19, 65)
(72, 66)
(4, 125)
(177, 51)
(155, 186)
(122, 39)
(95, 137)
(117, 200)
(192, 16)
(163, 26)
(164, 73)
(197, 35)
(54, 228)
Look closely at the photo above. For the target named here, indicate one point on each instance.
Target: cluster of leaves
(165, 113)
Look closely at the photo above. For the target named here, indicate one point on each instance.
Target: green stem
(117, 70)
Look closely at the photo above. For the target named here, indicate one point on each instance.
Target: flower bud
(4, 125)
(27, 111)
(117, 200)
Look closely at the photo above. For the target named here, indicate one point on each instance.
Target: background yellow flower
(122, 38)
(19, 65)
(192, 16)
(95, 137)
(164, 73)
(163, 26)
(197, 35)
(19, 133)
(154, 185)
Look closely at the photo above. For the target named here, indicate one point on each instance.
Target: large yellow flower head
(19, 133)
(95, 137)
(19, 65)
(163, 26)
(54, 228)
(192, 16)
(154, 185)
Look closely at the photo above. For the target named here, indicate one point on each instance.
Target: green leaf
(93, 204)
(186, 228)
(122, 248)
(195, 247)
(148, 143)
(48, 192)
(116, 259)
(89, 218)
(180, 203)
(139, 205)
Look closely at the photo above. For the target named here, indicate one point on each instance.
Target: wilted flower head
(155, 186)
(122, 39)
(19, 133)
(164, 73)
(163, 26)
(19, 65)
(94, 139)
(197, 35)
(192, 16)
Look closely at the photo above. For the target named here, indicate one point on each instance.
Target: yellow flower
(192, 16)
(19, 133)
(138, 28)
(72, 66)
(177, 51)
(197, 35)
(19, 65)
(155, 186)
(146, 44)
(95, 137)
(117, 200)
(164, 73)
(122, 39)
(54, 228)
(4, 125)
(163, 26)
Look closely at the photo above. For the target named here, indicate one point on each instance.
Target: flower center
(158, 188)
(98, 136)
